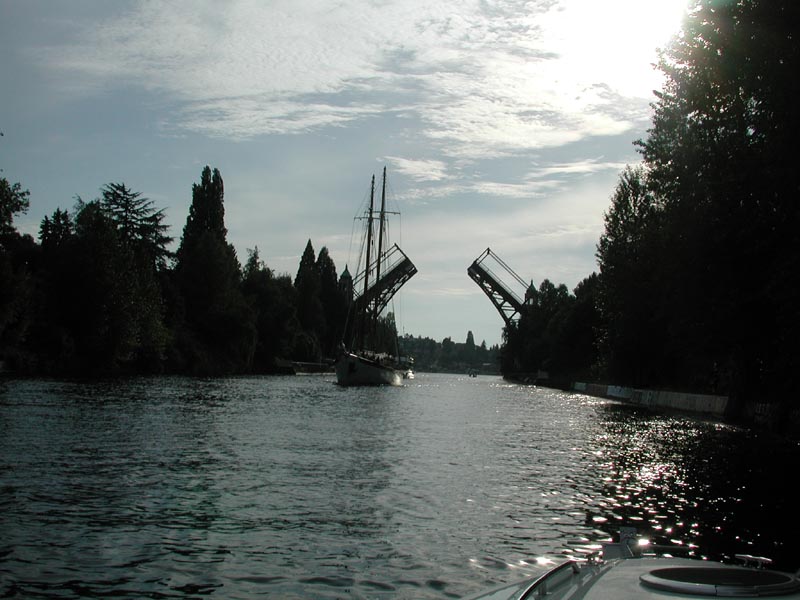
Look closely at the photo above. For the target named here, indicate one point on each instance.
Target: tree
(468, 354)
(140, 225)
(309, 306)
(143, 234)
(539, 325)
(580, 338)
(384, 338)
(334, 303)
(103, 322)
(629, 254)
(274, 301)
(16, 279)
(215, 324)
(207, 211)
(60, 303)
(720, 156)
(447, 353)
(56, 231)
(13, 201)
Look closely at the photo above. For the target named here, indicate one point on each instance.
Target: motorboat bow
(626, 570)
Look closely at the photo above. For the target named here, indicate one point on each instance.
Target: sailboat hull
(352, 369)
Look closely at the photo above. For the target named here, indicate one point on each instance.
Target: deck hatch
(721, 582)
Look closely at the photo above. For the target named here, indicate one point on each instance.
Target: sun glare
(616, 42)
(650, 24)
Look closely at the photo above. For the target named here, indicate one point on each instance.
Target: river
(292, 487)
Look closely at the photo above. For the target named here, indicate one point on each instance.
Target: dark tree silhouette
(274, 300)
(334, 303)
(215, 325)
(309, 307)
(140, 224)
(700, 257)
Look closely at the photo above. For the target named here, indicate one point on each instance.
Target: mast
(365, 323)
(380, 238)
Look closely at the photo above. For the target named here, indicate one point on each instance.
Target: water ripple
(296, 488)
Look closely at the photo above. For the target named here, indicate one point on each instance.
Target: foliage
(309, 307)
(140, 225)
(15, 277)
(215, 325)
(207, 211)
(629, 285)
(450, 356)
(333, 303)
(100, 305)
(699, 261)
(274, 301)
(13, 200)
(96, 296)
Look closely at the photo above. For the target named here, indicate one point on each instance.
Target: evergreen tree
(447, 353)
(143, 233)
(334, 303)
(140, 225)
(56, 231)
(13, 201)
(309, 307)
(207, 211)
(101, 307)
(469, 352)
(384, 338)
(54, 336)
(629, 254)
(16, 278)
(576, 353)
(274, 302)
(708, 277)
(215, 325)
(103, 326)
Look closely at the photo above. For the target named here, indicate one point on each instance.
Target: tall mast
(363, 327)
(382, 226)
(382, 223)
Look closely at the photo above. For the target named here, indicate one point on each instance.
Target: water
(291, 487)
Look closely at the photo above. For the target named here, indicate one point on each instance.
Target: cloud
(478, 79)
(578, 167)
(419, 169)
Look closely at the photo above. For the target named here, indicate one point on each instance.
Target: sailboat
(364, 357)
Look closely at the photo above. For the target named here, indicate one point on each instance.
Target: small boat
(367, 356)
(631, 569)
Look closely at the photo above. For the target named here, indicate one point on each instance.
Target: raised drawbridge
(398, 269)
(501, 284)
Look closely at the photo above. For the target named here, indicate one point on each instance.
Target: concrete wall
(698, 403)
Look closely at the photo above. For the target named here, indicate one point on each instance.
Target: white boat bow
(625, 572)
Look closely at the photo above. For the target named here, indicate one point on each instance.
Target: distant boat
(367, 357)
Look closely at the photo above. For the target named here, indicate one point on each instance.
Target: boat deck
(650, 578)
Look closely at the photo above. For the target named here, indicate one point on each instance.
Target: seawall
(683, 401)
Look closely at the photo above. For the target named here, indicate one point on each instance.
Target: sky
(502, 124)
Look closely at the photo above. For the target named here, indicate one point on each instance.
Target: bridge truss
(492, 274)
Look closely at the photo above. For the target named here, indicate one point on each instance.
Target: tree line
(101, 293)
(697, 287)
(450, 356)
